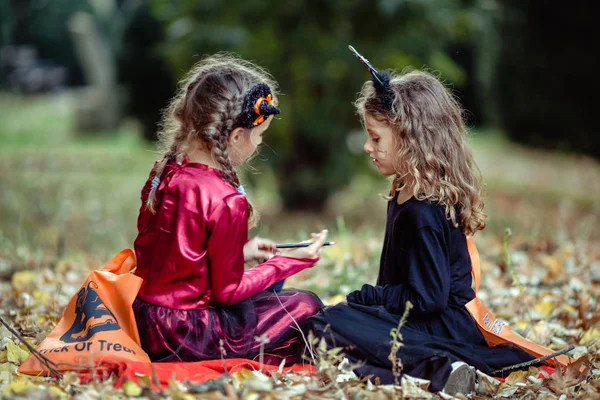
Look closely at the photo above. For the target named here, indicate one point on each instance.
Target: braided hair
(208, 106)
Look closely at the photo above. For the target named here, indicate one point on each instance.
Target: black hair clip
(258, 105)
(381, 81)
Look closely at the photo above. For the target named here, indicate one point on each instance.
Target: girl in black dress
(417, 137)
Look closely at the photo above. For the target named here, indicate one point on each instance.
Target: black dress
(425, 260)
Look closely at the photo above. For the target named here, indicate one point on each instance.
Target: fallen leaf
(590, 336)
(418, 382)
(544, 308)
(132, 389)
(57, 392)
(507, 390)
(4, 333)
(486, 385)
(70, 378)
(583, 303)
(540, 333)
(19, 387)
(555, 268)
(516, 377)
(15, 354)
(577, 371)
(520, 324)
(251, 396)
(40, 297)
(145, 381)
(566, 308)
(23, 280)
(7, 370)
(259, 383)
(243, 375)
(560, 381)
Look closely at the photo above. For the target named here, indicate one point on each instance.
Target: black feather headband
(381, 81)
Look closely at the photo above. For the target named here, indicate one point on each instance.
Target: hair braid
(218, 133)
(224, 123)
(176, 147)
(221, 156)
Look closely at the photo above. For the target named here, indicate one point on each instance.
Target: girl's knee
(311, 304)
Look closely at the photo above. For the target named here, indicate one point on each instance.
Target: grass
(61, 187)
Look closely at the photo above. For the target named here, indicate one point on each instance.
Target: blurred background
(82, 83)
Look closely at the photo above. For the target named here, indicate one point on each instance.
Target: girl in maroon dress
(197, 301)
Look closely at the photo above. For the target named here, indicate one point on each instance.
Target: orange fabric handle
(122, 263)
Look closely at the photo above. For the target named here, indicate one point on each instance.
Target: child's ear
(236, 135)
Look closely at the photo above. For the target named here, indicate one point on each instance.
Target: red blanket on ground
(197, 372)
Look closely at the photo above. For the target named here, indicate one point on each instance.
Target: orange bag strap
(475, 263)
(495, 331)
(122, 263)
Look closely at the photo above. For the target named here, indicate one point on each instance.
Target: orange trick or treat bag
(497, 332)
(98, 325)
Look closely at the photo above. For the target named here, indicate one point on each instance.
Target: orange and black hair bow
(258, 105)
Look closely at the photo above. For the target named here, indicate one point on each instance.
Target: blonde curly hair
(431, 152)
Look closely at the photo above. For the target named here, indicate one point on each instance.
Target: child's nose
(367, 147)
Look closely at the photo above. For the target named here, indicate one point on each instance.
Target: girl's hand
(259, 250)
(311, 251)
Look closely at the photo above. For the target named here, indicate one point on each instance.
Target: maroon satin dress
(197, 301)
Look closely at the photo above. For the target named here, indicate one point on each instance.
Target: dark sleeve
(425, 254)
